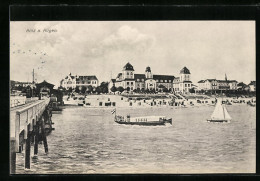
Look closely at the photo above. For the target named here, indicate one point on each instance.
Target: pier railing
(26, 118)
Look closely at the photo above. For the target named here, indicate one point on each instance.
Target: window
(165, 80)
(170, 81)
(161, 81)
(142, 79)
(132, 83)
(138, 80)
(157, 80)
(185, 85)
(127, 83)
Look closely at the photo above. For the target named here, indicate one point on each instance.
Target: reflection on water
(86, 140)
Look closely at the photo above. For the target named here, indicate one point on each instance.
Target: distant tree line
(102, 88)
(161, 88)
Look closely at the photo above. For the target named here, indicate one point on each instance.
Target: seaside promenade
(139, 101)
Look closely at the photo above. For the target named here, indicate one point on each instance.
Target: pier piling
(12, 156)
(36, 138)
(27, 164)
(44, 136)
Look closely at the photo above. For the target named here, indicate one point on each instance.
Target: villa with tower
(131, 81)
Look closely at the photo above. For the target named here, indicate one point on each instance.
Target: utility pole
(32, 82)
(33, 76)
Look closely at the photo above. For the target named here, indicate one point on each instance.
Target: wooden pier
(29, 124)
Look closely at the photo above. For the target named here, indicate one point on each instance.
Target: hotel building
(128, 79)
(214, 84)
(71, 81)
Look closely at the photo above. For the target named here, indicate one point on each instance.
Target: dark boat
(144, 121)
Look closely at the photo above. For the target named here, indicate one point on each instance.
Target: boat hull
(155, 123)
(217, 121)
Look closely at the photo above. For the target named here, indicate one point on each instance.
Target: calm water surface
(86, 140)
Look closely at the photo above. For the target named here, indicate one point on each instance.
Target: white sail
(227, 116)
(218, 113)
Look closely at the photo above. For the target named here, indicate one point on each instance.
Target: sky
(209, 49)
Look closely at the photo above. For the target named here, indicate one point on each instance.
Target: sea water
(87, 140)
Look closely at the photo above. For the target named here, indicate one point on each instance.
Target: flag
(113, 111)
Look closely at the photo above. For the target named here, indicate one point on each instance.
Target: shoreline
(145, 107)
(117, 101)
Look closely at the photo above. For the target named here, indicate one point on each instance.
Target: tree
(77, 89)
(161, 87)
(127, 89)
(104, 90)
(89, 89)
(192, 90)
(120, 89)
(152, 91)
(104, 87)
(165, 90)
(98, 90)
(70, 90)
(20, 88)
(83, 89)
(138, 90)
(113, 89)
(142, 90)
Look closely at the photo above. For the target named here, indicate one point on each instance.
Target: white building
(214, 84)
(129, 80)
(183, 83)
(71, 81)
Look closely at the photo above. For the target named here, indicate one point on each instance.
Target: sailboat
(220, 113)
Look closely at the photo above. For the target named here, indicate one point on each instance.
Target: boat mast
(223, 111)
(223, 108)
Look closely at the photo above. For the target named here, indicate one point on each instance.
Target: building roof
(232, 81)
(139, 76)
(185, 70)
(88, 77)
(70, 76)
(148, 69)
(128, 66)
(226, 81)
(163, 77)
(119, 75)
(210, 80)
(45, 83)
(222, 81)
(113, 80)
(201, 81)
(252, 83)
(241, 84)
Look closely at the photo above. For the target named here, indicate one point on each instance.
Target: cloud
(125, 39)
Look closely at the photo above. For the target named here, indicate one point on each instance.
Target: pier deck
(26, 123)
